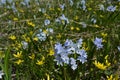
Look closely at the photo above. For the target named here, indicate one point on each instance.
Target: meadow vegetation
(59, 39)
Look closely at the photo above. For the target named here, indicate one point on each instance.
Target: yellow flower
(45, 31)
(96, 26)
(18, 55)
(39, 62)
(72, 28)
(31, 24)
(15, 19)
(2, 55)
(19, 61)
(89, 9)
(111, 78)
(59, 36)
(48, 76)
(76, 17)
(100, 65)
(51, 52)
(104, 35)
(35, 39)
(12, 37)
(32, 56)
(77, 28)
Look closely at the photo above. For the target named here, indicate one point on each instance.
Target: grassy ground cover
(59, 40)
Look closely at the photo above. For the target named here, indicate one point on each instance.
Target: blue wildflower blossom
(3, 2)
(83, 2)
(73, 63)
(41, 36)
(111, 8)
(82, 55)
(98, 42)
(47, 22)
(71, 2)
(93, 20)
(62, 6)
(64, 18)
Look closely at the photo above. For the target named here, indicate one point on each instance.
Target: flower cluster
(63, 53)
(42, 35)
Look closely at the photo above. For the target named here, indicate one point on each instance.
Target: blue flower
(46, 22)
(118, 48)
(81, 59)
(24, 44)
(73, 63)
(71, 2)
(3, 2)
(83, 55)
(98, 42)
(111, 8)
(62, 6)
(58, 48)
(83, 2)
(64, 18)
(79, 43)
(93, 20)
(84, 25)
(41, 36)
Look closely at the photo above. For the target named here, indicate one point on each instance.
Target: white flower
(25, 44)
(118, 48)
(1, 74)
(101, 6)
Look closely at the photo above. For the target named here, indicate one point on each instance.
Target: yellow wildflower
(58, 36)
(96, 26)
(104, 35)
(35, 39)
(107, 63)
(48, 76)
(58, 9)
(111, 78)
(19, 61)
(45, 31)
(18, 55)
(72, 28)
(39, 62)
(15, 19)
(89, 9)
(51, 52)
(31, 24)
(76, 17)
(100, 65)
(77, 28)
(32, 56)
(12, 37)
(2, 55)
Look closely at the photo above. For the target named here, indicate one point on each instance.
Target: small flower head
(18, 55)
(19, 61)
(98, 42)
(47, 22)
(100, 65)
(12, 37)
(1, 74)
(111, 8)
